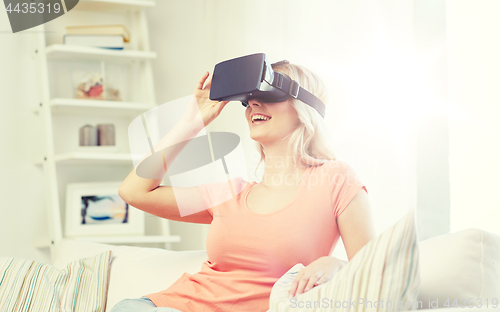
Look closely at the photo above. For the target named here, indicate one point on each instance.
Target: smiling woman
(306, 132)
(307, 199)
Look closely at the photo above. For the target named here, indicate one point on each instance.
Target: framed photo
(96, 209)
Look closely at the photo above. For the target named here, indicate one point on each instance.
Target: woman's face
(282, 120)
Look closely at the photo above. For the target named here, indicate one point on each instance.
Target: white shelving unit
(63, 52)
(104, 108)
(58, 154)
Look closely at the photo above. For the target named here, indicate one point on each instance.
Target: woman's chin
(259, 137)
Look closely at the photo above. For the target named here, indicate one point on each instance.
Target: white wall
(22, 212)
(430, 102)
(178, 35)
(473, 84)
(191, 36)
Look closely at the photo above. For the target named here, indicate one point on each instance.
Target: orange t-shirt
(248, 252)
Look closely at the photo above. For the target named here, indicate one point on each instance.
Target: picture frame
(96, 209)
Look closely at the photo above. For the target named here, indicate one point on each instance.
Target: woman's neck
(280, 169)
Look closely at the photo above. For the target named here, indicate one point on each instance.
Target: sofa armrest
(465, 264)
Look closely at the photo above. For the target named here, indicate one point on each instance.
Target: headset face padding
(268, 95)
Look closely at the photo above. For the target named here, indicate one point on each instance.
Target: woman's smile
(258, 122)
(258, 118)
(282, 116)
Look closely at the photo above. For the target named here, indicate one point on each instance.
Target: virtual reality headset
(252, 76)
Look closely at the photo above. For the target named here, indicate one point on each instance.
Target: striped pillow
(27, 285)
(382, 276)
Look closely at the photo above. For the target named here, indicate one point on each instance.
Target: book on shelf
(116, 29)
(100, 41)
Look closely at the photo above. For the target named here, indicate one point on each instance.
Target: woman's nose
(254, 102)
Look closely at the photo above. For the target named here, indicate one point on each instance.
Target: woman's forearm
(170, 145)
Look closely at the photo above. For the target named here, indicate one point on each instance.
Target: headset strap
(292, 88)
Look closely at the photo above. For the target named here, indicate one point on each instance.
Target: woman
(305, 201)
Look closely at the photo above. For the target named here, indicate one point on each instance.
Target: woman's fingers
(304, 283)
(313, 279)
(208, 83)
(295, 283)
(201, 82)
(322, 280)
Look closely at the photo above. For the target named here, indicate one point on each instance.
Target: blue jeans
(142, 304)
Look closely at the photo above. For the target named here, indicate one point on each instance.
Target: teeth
(260, 117)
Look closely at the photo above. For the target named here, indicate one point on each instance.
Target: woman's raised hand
(208, 109)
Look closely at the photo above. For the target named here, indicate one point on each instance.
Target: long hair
(308, 143)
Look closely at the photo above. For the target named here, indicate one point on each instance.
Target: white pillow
(28, 285)
(384, 272)
(458, 266)
(135, 271)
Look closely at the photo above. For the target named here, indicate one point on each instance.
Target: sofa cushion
(383, 274)
(28, 285)
(459, 266)
(135, 271)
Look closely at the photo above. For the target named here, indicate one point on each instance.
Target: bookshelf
(62, 106)
(61, 114)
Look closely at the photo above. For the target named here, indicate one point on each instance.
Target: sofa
(464, 264)
(459, 270)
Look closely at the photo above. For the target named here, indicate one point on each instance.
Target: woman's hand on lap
(316, 273)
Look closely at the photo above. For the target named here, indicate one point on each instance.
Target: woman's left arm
(356, 227)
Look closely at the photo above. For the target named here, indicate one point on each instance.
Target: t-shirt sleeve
(214, 194)
(205, 196)
(345, 183)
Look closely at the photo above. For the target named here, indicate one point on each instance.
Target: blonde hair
(308, 143)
